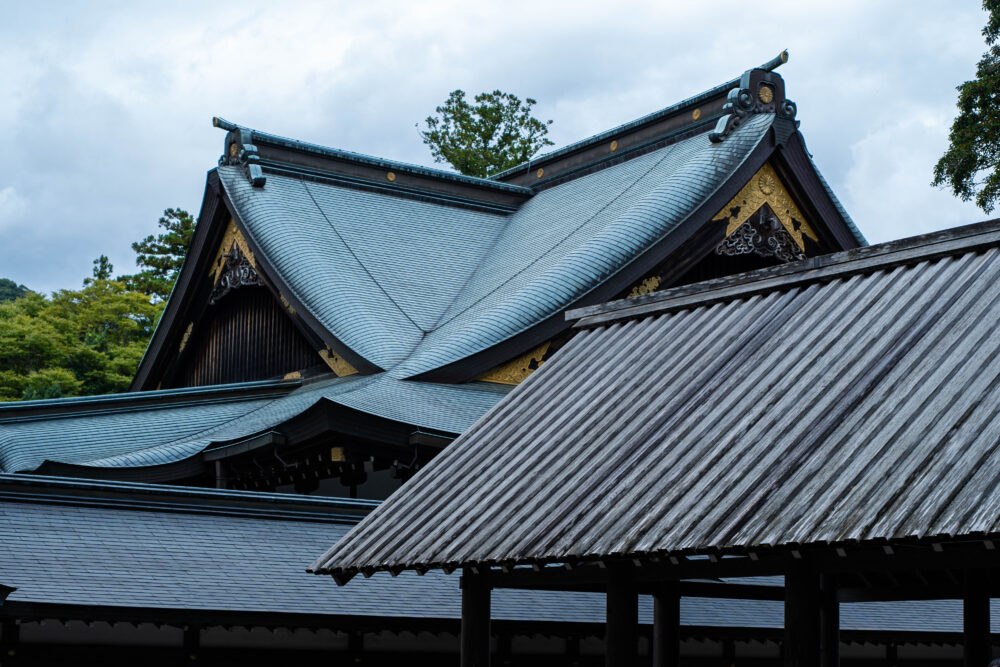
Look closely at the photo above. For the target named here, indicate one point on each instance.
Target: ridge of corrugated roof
(909, 250)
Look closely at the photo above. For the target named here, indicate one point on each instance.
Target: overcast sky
(106, 107)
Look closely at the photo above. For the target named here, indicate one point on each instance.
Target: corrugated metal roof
(159, 434)
(857, 398)
(414, 285)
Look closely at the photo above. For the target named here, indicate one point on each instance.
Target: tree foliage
(9, 290)
(495, 133)
(161, 257)
(103, 270)
(86, 341)
(91, 340)
(971, 165)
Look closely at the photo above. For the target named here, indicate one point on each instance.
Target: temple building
(830, 426)
(340, 319)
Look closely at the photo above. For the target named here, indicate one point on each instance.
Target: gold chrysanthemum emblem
(766, 94)
(766, 184)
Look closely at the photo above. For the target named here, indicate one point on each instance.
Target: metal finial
(776, 61)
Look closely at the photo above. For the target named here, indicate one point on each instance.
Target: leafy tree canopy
(103, 270)
(9, 290)
(86, 341)
(495, 133)
(91, 340)
(161, 257)
(971, 165)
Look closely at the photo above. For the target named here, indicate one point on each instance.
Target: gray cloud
(106, 107)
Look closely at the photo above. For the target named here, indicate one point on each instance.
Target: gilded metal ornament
(614, 146)
(186, 337)
(696, 114)
(765, 187)
(236, 272)
(539, 173)
(229, 237)
(766, 94)
(337, 364)
(764, 236)
(391, 176)
(646, 286)
(517, 370)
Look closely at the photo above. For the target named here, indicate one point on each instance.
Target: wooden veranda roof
(845, 399)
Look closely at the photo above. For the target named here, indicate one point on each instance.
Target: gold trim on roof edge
(765, 187)
(516, 370)
(337, 363)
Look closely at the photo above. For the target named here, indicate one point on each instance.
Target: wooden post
(192, 642)
(475, 620)
(621, 635)
(802, 617)
(976, 619)
(829, 623)
(10, 643)
(666, 625)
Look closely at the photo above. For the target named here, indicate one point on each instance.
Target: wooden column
(621, 636)
(829, 623)
(802, 618)
(475, 620)
(976, 619)
(666, 625)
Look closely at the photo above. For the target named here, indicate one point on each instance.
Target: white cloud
(887, 186)
(12, 206)
(107, 107)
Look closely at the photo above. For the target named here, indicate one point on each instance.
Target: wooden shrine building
(340, 318)
(339, 321)
(834, 422)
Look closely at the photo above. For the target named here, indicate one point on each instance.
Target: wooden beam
(829, 623)
(475, 645)
(667, 625)
(802, 617)
(621, 638)
(976, 619)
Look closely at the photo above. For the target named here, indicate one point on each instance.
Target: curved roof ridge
(370, 160)
(605, 135)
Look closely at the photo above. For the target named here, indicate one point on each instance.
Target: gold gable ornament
(231, 237)
(765, 187)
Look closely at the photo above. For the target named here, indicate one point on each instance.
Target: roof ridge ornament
(240, 151)
(760, 90)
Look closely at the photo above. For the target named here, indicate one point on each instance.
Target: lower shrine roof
(127, 551)
(116, 432)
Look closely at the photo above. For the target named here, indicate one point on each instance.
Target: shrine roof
(155, 428)
(850, 398)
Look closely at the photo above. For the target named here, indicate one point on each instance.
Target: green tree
(161, 257)
(103, 269)
(86, 341)
(971, 165)
(9, 290)
(496, 133)
(91, 340)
